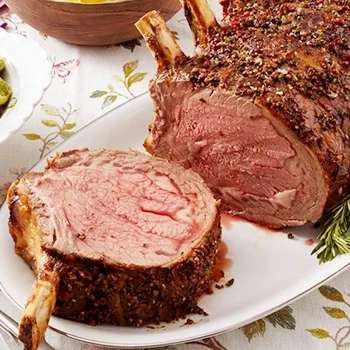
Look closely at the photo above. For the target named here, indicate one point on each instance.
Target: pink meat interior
(247, 157)
(127, 210)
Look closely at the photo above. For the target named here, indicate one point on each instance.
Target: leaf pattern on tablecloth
(319, 333)
(130, 45)
(129, 78)
(254, 329)
(210, 343)
(60, 124)
(332, 293)
(337, 313)
(282, 318)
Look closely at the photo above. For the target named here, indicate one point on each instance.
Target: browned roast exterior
(133, 296)
(87, 267)
(261, 110)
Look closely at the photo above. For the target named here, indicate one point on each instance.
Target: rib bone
(200, 17)
(160, 40)
(40, 305)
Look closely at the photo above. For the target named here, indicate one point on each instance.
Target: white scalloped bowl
(28, 72)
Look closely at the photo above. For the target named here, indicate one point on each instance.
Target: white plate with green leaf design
(269, 269)
(28, 72)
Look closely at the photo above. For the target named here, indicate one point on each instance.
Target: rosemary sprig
(333, 238)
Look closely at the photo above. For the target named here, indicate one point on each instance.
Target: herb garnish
(333, 238)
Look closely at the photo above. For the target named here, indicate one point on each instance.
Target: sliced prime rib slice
(261, 110)
(113, 237)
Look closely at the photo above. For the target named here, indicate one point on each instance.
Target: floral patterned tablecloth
(89, 81)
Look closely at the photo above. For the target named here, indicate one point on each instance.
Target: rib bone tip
(160, 40)
(200, 18)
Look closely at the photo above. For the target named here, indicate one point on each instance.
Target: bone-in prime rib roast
(113, 237)
(261, 110)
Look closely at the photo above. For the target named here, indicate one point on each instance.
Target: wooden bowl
(90, 24)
